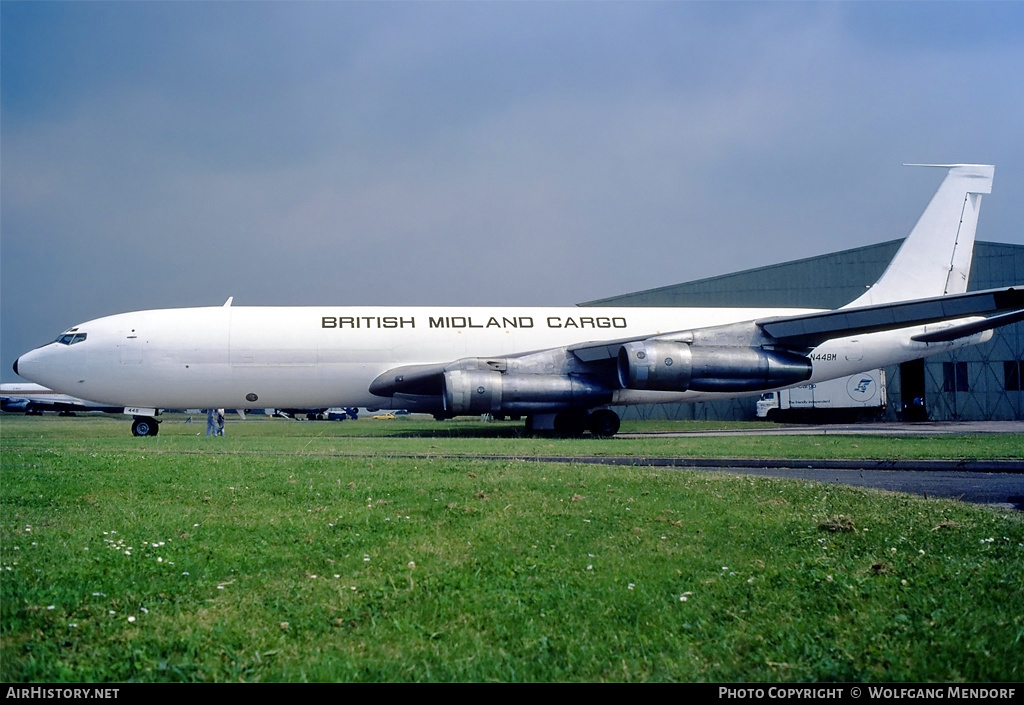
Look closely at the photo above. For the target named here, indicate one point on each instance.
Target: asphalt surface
(1002, 487)
(923, 428)
(993, 482)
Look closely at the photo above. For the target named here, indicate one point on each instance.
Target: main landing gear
(574, 422)
(145, 426)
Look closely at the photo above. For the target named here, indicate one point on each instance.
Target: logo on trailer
(861, 388)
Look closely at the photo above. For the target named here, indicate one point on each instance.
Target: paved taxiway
(993, 482)
(924, 428)
(1002, 486)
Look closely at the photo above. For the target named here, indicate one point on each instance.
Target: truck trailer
(859, 397)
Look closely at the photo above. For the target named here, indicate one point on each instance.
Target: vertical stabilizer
(935, 259)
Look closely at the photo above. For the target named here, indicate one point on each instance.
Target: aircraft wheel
(144, 426)
(604, 423)
(571, 423)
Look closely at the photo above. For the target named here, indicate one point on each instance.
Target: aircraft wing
(737, 357)
(810, 330)
(804, 331)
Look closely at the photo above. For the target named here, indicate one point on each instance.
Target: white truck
(859, 397)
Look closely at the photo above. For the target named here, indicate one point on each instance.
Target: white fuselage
(258, 357)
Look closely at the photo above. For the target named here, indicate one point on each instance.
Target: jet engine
(491, 392)
(667, 366)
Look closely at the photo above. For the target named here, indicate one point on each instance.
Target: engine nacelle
(665, 366)
(491, 392)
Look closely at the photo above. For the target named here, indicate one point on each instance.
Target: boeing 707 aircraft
(561, 368)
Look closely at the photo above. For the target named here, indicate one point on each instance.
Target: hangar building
(978, 383)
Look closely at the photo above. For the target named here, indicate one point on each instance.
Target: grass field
(270, 556)
(419, 434)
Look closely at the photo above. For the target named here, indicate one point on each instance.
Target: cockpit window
(70, 338)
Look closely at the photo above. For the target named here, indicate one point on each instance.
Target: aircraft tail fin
(935, 259)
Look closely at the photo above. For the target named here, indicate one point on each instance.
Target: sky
(168, 154)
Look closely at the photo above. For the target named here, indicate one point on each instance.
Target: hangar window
(1011, 376)
(954, 377)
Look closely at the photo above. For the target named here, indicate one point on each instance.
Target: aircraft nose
(25, 365)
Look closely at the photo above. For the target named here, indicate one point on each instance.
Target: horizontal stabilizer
(965, 329)
(812, 329)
